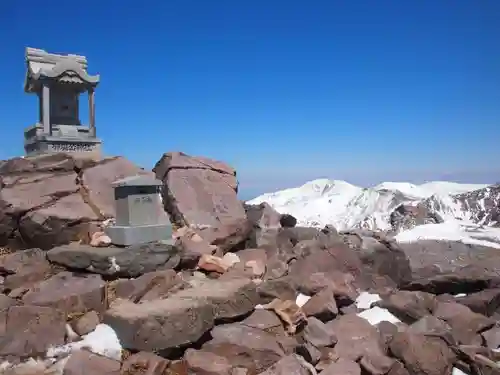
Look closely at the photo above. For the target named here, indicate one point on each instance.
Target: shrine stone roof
(70, 69)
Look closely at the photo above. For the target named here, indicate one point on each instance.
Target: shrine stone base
(138, 235)
(51, 144)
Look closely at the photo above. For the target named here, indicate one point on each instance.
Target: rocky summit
(240, 289)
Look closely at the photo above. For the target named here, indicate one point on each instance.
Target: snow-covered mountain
(347, 206)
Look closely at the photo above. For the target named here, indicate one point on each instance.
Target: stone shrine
(140, 217)
(58, 81)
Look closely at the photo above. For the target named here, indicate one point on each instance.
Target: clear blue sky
(285, 91)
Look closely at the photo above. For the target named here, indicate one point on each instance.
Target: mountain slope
(347, 206)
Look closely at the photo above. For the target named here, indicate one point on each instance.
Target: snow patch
(376, 314)
(346, 206)
(302, 299)
(365, 300)
(453, 230)
(103, 340)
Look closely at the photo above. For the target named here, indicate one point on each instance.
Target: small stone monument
(58, 81)
(140, 217)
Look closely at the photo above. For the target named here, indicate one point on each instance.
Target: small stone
(100, 239)
(84, 362)
(86, 323)
(144, 363)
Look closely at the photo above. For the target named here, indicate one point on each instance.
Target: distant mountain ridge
(346, 206)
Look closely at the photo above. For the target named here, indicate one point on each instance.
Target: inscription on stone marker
(72, 147)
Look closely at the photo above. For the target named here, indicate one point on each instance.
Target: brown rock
(71, 293)
(6, 302)
(492, 337)
(281, 288)
(342, 367)
(409, 306)
(465, 323)
(265, 320)
(244, 346)
(28, 331)
(86, 323)
(289, 312)
(100, 239)
(160, 324)
(421, 354)
(263, 215)
(97, 181)
(83, 362)
(340, 258)
(22, 269)
(292, 364)
(230, 298)
(398, 369)
(201, 362)
(358, 339)
(144, 363)
(212, 263)
(150, 286)
(322, 306)
(316, 333)
(485, 302)
(380, 255)
(50, 200)
(201, 193)
(192, 246)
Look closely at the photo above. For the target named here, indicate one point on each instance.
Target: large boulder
(54, 199)
(201, 193)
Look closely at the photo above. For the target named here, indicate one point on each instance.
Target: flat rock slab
(83, 362)
(131, 261)
(69, 292)
(231, 298)
(28, 331)
(160, 324)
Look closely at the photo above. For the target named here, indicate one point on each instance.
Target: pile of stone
(238, 290)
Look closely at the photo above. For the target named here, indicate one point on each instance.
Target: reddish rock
(485, 302)
(22, 269)
(465, 323)
(28, 331)
(291, 364)
(212, 263)
(50, 200)
(342, 367)
(359, 340)
(86, 323)
(244, 346)
(150, 286)
(201, 193)
(201, 362)
(144, 363)
(322, 306)
(71, 293)
(160, 324)
(83, 362)
(409, 306)
(421, 354)
(263, 215)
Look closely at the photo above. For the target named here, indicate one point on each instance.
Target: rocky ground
(241, 291)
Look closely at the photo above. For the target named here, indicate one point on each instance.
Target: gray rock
(113, 261)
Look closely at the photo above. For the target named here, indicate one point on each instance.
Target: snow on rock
(103, 340)
(302, 299)
(346, 206)
(376, 314)
(365, 300)
(453, 230)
